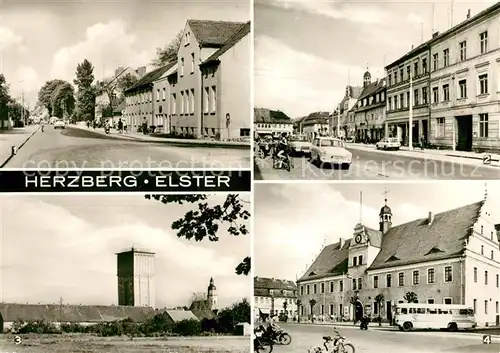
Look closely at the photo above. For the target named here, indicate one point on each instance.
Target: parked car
(59, 124)
(389, 143)
(332, 151)
(299, 144)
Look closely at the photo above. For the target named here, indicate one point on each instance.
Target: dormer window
(186, 38)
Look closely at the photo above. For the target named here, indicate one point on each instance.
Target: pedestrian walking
(120, 126)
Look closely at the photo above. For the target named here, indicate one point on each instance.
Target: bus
(434, 316)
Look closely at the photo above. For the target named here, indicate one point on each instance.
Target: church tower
(385, 220)
(367, 78)
(135, 278)
(212, 295)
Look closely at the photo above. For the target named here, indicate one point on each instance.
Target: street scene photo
(125, 84)
(365, 268)
(125, 273)
(389, 90)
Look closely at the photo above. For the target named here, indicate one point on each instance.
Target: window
(354, 284)
(182, 102)
(389, 78)
(424, 95)
(375, 308)
(213, 99)
(483, 84)
(440, 127)
(182, 67)
(486, 277)
(395, 77)
(389, 103)
(315, 289)
(301, 290)
(492, 255)
(408, 99)
(355, 261)
(331, 309)
(446, 93)
(475, 274)
(331, 287)
(463, 50)
(486, 307)
(435, 94)
(424, 65)
(446, 57)
(206, 100)
(375, 281)
(430, 276)
(187, 100)
(415, 97)
(158, 95)
(322, 309)
(361, 256)
(462, 84)
(401, 75)
(164, 94)
(323, 287)
(341, 286)
(192, 62)
(186, 39)
(415, 69)
(401, 279)
(496, 307)
(498, 280)
(474, 306)
(483, 39)
(360, 283)
(483, 125)
(388, 280)
(448, 274)
(448, 301)
(435, 61)
(416, 278)
(192, 101)
(174, 103)
(408, 72)
(430, 301)
(401, 100)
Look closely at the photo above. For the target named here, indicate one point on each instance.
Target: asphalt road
(378, 165)
(79, 148)
(378, 340)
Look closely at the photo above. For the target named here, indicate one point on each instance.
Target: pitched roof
(73, 313)
(213, 33)
(149, 78)
(264, 115)
(180, 315)
(332, 261)
(418, 241)
(201, 309)
(372, 88)
(273, 283)
(241, 33)
(316, 118)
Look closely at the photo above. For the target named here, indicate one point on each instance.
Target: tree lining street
(78, 148)
(305, 336)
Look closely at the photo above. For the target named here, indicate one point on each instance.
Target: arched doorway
(358, 311)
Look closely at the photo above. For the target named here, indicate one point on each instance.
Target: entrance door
(425, 126)
(358, 311)
(388, 310)
(464, 129)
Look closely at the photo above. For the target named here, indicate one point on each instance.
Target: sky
(57, 246)
(307, 52)
(293, 221)
(42, 40)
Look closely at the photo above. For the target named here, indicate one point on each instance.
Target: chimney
(431, 218)
(141, 71)
(468, 13)
(341, 242)
(412, 46)
(435, 34)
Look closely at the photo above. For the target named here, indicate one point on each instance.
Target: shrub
(188, 328)
(38, 326)
(74, 328)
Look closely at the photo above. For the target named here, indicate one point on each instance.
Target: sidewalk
(137, 136)
(15, 137)
(441, 155)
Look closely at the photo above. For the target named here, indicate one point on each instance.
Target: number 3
(17, 340)
(487, 159)
(487, 339)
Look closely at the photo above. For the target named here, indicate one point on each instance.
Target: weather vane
(385, 195)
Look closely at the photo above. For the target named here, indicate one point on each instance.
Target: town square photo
(128, 273)
(125, 84)
(418, 263)
(356, 90)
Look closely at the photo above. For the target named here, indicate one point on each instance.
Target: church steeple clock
(385, 217)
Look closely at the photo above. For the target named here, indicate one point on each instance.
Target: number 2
(487, 159)
(487, 339)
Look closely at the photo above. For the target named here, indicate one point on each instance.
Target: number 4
(487, 339)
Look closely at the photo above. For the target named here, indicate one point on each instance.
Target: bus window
(398, 310)
(442, 311)
(413, 310)
(431, 311)
(404, 311)
(420, 311)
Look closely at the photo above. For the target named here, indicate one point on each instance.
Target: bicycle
(339, 344)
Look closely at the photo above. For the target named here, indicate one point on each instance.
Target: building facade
(274, 297)
(201, 40)
(408, 82)
(162, 93)
(342, 120)
(448, 258)
(271, 122)
(226, 87)
(465, 84)
(135, 278)
(370, 110)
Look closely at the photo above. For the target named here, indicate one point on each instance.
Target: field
(91, 344)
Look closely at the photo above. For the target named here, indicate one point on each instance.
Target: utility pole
(23, 118)
(410, 115)
(338, 121)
